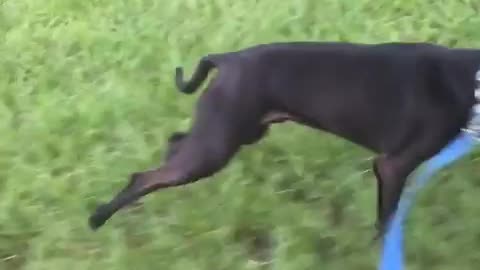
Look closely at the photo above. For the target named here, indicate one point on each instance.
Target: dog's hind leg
(217, 134)
(199, 157)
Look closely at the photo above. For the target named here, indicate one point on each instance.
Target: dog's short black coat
(403, 101)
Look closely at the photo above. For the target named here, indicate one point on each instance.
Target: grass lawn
(87, 98)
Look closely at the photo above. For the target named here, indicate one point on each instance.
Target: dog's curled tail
(199, 75)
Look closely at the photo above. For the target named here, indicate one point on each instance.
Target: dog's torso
(371, 95)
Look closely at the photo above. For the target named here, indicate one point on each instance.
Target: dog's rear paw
(99, 217)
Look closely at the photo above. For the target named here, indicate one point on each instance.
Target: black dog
(404, 101)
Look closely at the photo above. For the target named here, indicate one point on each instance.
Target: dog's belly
(369, 136)
(370, 124)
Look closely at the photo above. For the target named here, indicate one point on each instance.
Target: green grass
(87, 97)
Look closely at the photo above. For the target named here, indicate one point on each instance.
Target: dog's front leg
(393, 169)
(391, 174)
